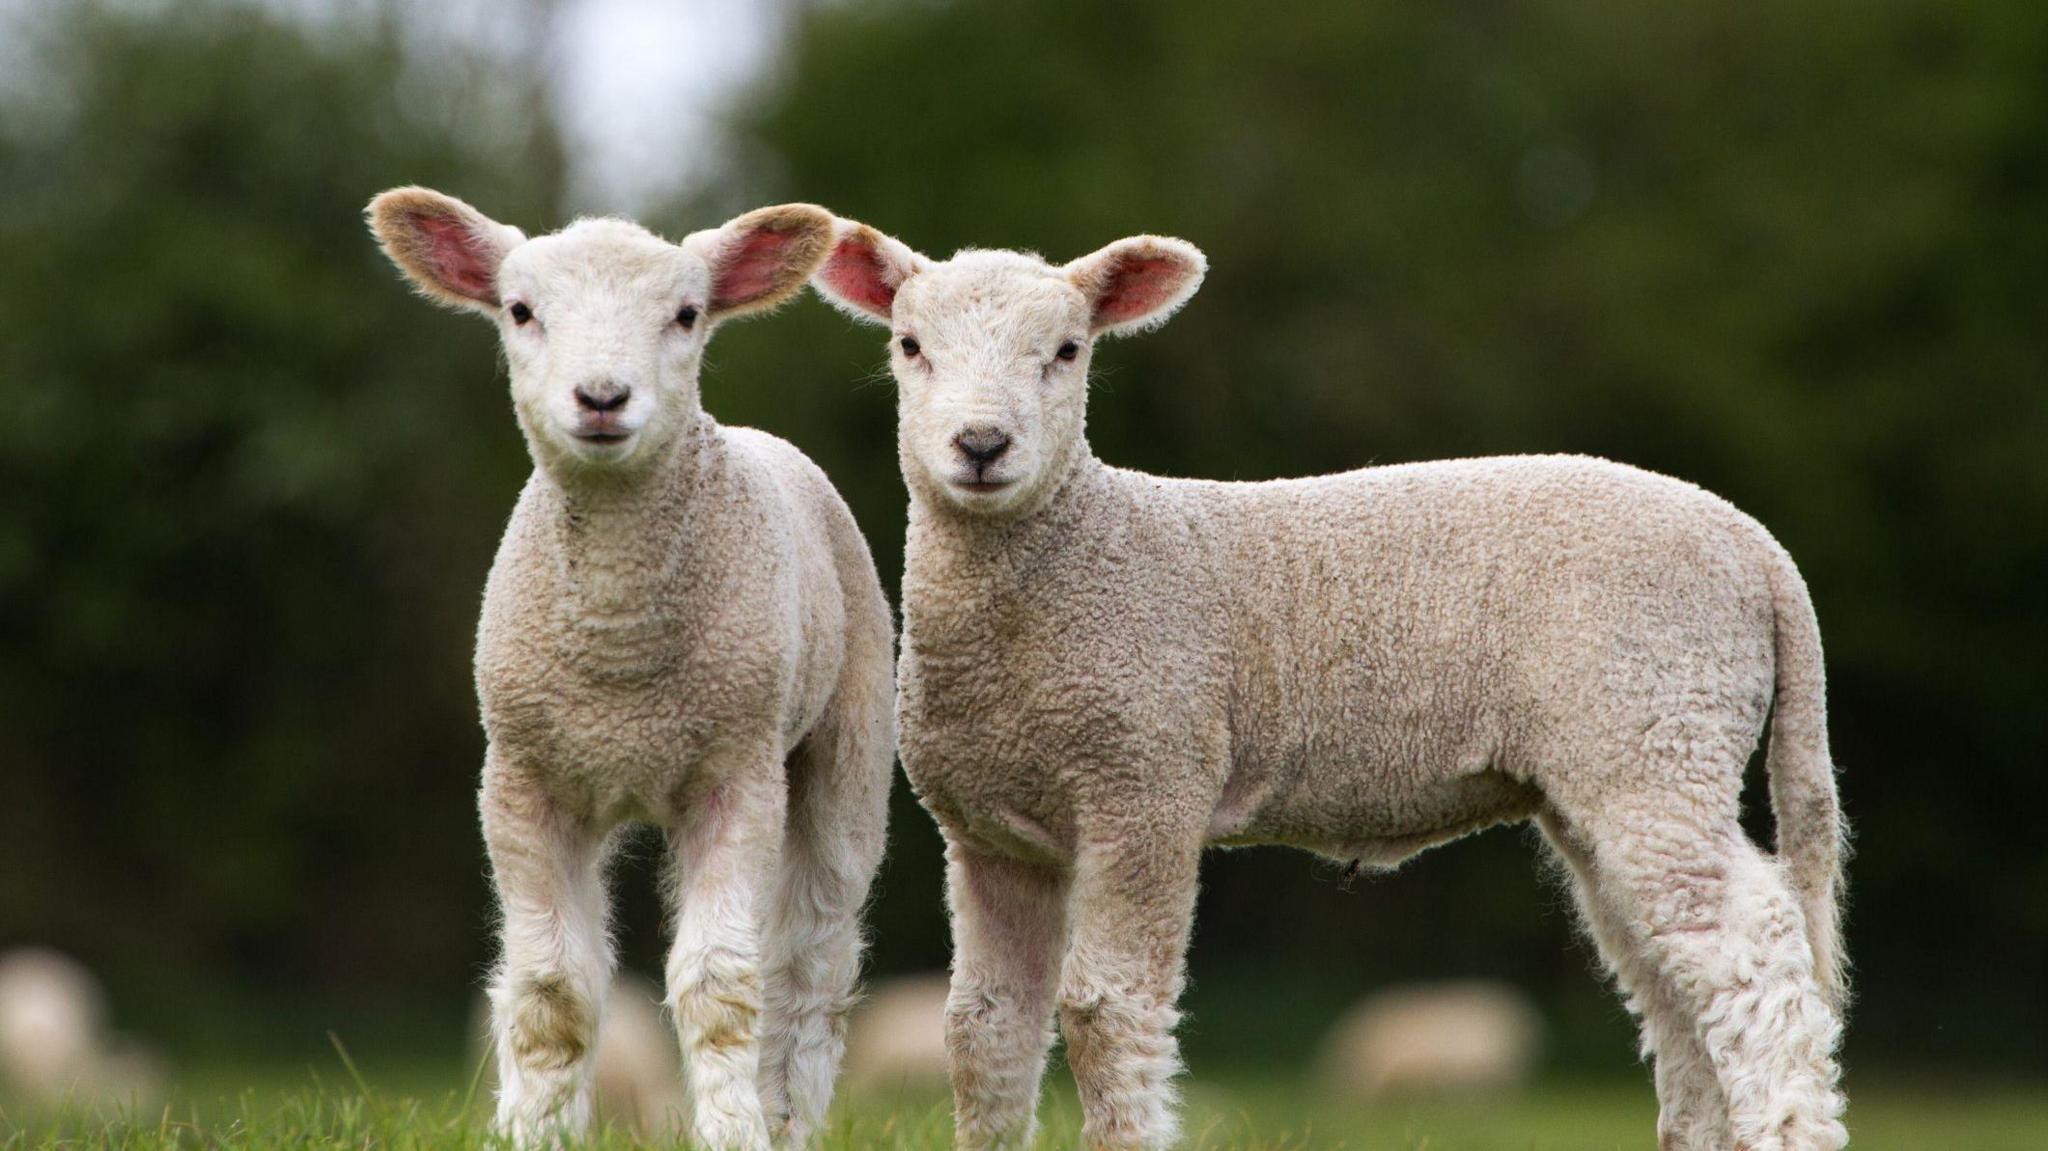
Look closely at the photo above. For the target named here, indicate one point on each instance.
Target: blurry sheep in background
(54, 1046)
(896, 1043)
(1432, 1038)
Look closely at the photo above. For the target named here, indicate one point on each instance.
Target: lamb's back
(1397, 627)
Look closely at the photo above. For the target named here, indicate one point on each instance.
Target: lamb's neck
(948, 546)
(621, 541)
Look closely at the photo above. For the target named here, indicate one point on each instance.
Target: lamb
(683, 627)
(1104, 671)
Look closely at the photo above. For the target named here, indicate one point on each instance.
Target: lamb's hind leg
(556, 963)
(1715, 919)
(838, 808)
(1692, 1115)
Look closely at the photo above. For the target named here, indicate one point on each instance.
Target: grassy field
(335, 1108)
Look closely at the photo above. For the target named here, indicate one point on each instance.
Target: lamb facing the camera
(683, 627)
(1104, 671)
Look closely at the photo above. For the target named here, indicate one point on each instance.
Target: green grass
(333, 1108)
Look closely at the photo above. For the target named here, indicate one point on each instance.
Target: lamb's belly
(1378, 816)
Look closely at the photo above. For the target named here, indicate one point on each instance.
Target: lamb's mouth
(982, 487)
(604, 437)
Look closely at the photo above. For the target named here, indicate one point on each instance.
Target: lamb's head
(603, 323)
(990, 351)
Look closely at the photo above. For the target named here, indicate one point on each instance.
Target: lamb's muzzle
(605, 396)
(981, 448)
(982, 444)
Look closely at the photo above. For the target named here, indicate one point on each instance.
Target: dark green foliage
(252, 491)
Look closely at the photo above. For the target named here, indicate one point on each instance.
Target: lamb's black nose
(983, 445)
(602, 397)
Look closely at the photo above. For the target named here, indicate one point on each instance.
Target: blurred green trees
(1794, 253)
(250, 488)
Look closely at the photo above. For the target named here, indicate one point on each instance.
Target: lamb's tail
(1813, 840)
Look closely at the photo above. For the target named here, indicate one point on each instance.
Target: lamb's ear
(865, 268)
(763, 258)
(449, 250)
(1136, 283)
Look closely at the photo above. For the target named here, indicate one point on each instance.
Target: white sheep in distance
(1103, 671)
(896, 1043)
(1431, 1038)
(55, 1049)
(52, 1011)
(682, 627)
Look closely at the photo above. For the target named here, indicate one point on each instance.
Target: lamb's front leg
(725, 847)
(556, 964)
(1132, 907)
(1009, 928)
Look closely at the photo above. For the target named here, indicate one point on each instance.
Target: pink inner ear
(752, 268)
(855, 272)
(462, 263)
(1136, 287)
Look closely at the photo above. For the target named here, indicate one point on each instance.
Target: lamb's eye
(909, 346)
(1068, 350)
(520, 312)
(686, 316)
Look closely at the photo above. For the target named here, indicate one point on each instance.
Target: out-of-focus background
(249, 486)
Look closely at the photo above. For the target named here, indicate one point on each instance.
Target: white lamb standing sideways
(54, 1044)
(1431, 1038)
(1104, 671)
(683, 627)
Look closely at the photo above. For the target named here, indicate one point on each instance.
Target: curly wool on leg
(1719, 923)
(715, 994)
(1762, 1016)
(1692, 1114)
(1121, 1046)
